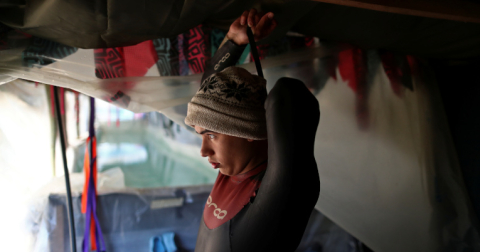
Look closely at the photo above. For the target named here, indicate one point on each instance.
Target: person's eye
(211, 136)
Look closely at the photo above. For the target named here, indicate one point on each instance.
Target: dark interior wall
(426, 37)
(459, 86)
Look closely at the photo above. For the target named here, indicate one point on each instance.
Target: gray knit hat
(230, 102)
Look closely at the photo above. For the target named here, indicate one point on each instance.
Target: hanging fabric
(93, 231)
(353, 68)
(398, 71)
(44, 52)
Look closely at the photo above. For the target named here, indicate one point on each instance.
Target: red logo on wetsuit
(219, 213)
(229, 195)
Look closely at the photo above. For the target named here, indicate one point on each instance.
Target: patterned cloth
(44, 52)
(168, 56)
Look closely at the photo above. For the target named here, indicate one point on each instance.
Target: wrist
(236, 39)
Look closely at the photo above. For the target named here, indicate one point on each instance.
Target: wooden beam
(441, 9)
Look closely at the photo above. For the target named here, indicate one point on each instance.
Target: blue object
(163, 243)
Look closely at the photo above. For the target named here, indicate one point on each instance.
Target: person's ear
(250, 140)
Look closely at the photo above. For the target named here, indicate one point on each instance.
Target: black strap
(73, 243)
(253, 48)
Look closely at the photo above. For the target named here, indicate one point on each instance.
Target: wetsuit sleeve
(227, 55)
(291, 185)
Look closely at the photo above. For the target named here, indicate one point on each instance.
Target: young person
(262, 145)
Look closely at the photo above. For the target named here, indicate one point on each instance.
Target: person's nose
(206, 150)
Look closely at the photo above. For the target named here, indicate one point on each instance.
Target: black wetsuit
(276, 219)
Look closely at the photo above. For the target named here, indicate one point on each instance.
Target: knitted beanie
(230, 102)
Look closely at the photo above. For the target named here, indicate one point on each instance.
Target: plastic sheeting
(79, 70)
(388, 169)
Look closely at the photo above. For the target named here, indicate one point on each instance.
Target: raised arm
(227, 55)
(290, 187)
(236, 40)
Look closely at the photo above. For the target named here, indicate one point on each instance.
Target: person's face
(231, 155)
